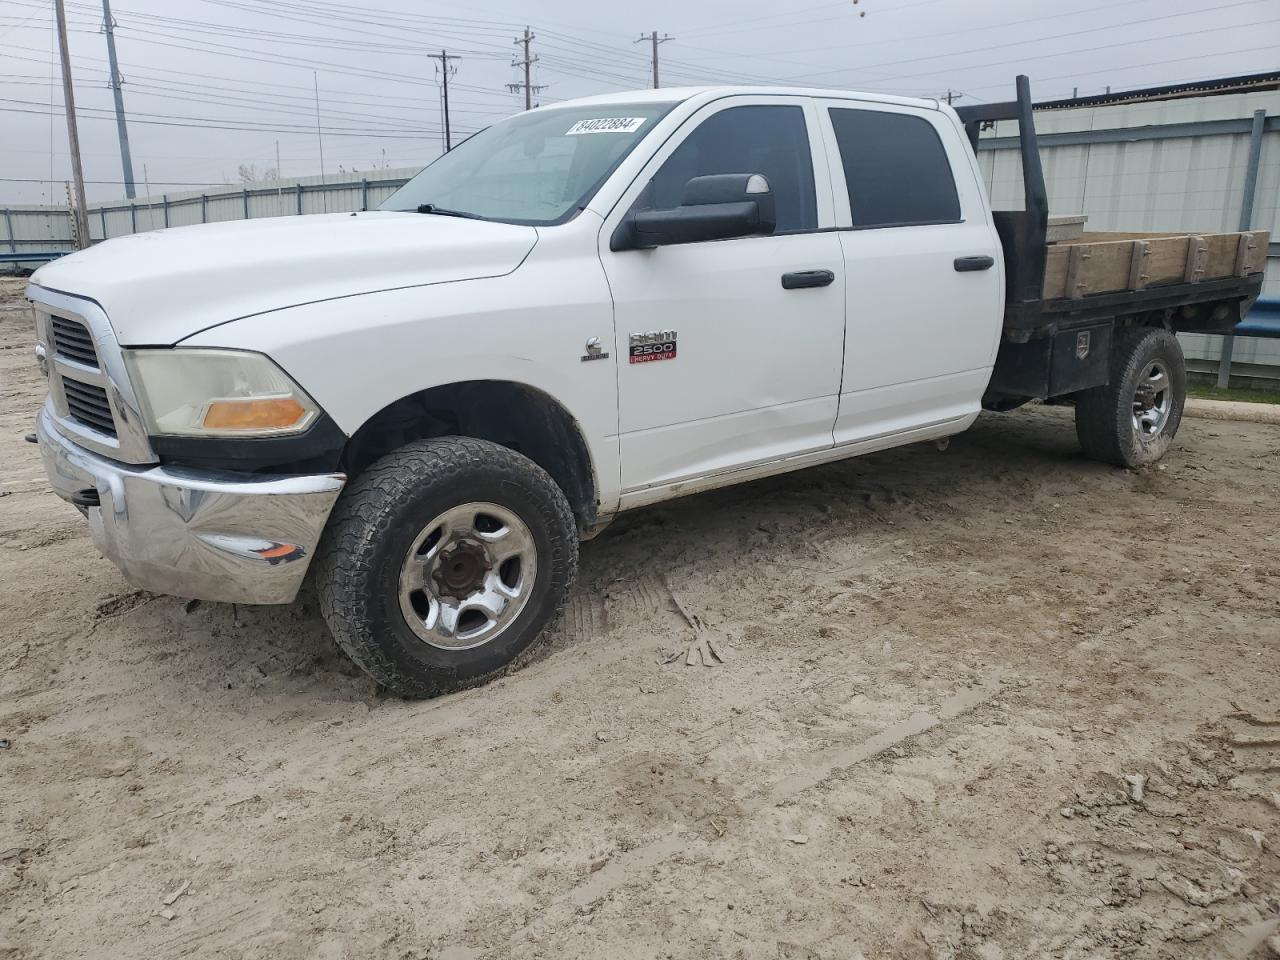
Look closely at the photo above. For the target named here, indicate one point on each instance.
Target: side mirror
(716, 207)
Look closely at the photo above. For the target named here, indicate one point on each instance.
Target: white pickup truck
(581, 310)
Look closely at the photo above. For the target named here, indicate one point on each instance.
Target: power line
(593, 47)
(387, 32)
(1074, 13)
(1136, 66)
(43, 152)
(301, 40)
(569, 69)
(299, 106)
(237, 32)
(1106, 46)
(302, 108)
(21, 23)
(398, 20)
(362, 73)
(620, 57)
(377, 123)
(116, 183)
(179, 122)
(284, 10)
(1022, 43)
(343, 14)
(217, 49)
(332, 10)
(790, 16)
(258, 90)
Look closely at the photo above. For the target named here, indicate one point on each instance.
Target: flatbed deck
(1068, 290)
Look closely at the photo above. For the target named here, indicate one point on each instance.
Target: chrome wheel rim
(467, 576)
(1152, 400)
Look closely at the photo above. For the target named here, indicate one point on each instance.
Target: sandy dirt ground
(997, 702)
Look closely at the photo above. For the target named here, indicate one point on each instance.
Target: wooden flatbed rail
(1096, 263)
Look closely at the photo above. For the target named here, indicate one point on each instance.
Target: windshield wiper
(445, 212)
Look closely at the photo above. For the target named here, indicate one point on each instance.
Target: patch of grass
(1207, 392)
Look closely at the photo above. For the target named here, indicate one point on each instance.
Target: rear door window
(896, 169)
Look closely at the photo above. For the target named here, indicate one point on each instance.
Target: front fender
(357, 355)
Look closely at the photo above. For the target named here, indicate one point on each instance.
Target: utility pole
(151, 205)
(126, 161)
(654, 40)
(79, 212)
(324, 194)
(445, 70)
(528, 86)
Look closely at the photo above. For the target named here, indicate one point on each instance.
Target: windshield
(535, 168)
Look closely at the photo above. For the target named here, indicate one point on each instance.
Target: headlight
(217, 393)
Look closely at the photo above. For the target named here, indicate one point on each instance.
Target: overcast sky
(211, 85)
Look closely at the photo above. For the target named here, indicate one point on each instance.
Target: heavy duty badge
(653, 345)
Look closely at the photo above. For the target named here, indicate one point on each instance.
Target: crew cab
(581, 310)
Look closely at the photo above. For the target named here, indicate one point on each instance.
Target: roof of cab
(681, 94)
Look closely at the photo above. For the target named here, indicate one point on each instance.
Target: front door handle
(807, 278)
(971, 264)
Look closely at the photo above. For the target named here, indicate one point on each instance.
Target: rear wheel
(444, 562)
(1132, 420)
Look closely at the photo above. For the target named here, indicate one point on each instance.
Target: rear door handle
(807, 278)
(971, 264)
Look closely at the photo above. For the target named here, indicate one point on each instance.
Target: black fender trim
(316, 450)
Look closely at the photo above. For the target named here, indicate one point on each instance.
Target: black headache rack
(1060, 345)
(1023, 233)
(1207, 306)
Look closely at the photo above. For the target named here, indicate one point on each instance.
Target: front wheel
(444, 562)
(1132, 420)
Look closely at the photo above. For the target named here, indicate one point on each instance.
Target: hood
(162, 286)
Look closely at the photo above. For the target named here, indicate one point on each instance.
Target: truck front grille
(91, 401)
(88, 404)
(72, 340)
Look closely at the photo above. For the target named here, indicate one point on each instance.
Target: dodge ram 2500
(581, 310)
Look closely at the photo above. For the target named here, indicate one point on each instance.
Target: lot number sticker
(606, 125)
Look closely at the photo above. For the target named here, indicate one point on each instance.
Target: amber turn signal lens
(268, 413)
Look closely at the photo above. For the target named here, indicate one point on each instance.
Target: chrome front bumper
(232, 537)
